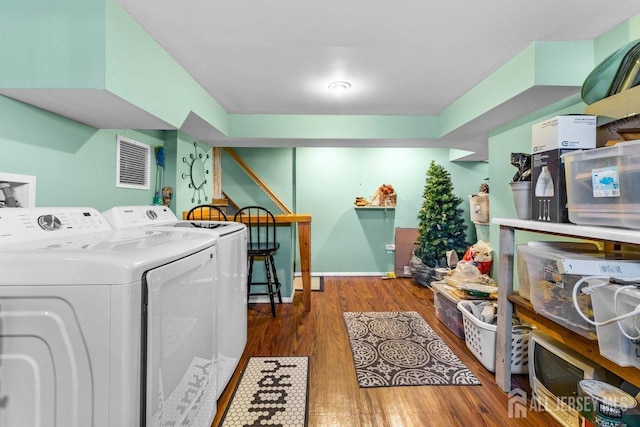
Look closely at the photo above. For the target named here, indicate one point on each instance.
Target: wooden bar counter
(304, 242)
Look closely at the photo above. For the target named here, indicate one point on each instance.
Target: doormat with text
(271, 391)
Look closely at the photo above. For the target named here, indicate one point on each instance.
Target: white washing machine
(232, 275)
(103, 327)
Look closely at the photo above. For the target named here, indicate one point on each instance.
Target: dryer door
(181, 366)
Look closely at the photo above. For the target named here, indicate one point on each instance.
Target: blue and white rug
(273, 391)
(401, 349)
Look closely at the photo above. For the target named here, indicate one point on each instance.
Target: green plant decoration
(441, 224)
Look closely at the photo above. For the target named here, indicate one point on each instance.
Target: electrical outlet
(390, 247)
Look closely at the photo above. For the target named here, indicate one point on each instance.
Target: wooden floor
(334, 396)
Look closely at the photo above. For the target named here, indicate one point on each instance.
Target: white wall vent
(133, 164)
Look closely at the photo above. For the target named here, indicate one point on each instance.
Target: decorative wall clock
(197, 174)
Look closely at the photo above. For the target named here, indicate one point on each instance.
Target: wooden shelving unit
(618, 106)
(508, 301)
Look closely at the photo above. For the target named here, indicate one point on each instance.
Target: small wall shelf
(374, 207)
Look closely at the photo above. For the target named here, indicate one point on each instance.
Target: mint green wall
(185, 195)
(74, 165)
(346, 239)
(275, 167)
(47, 44)
(95, 44)
(153, 82)
(326, 182)
(92, 43)
(516, 137)
(177, 172)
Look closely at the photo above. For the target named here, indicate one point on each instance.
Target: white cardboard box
(564, 132)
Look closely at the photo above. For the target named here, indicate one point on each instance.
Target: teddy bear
(480, 256)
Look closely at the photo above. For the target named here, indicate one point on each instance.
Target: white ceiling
(404, 57)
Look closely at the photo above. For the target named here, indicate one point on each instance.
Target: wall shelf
(507, 300)
(618, 106)
(374, 207)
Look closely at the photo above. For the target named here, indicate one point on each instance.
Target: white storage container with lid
(602, 185)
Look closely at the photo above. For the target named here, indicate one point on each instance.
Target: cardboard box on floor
(404, 241)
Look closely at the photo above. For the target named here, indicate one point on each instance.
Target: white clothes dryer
(232, 275)
(103, 327)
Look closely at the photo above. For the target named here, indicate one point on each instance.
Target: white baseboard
(264, 299)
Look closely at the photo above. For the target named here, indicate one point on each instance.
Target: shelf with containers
(508, 301)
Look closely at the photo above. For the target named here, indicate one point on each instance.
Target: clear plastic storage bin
(524, 289)
(612, 342)
(446, 306)
(554, 272)
(602, 185)
(447, 312)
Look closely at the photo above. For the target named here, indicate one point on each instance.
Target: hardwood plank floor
(334, 396)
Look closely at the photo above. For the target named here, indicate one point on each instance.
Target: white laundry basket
(480, 338)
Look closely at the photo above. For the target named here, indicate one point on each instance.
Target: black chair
(261, 243)
(206, 213)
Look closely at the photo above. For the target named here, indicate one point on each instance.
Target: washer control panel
(136, 216)
(17, 224)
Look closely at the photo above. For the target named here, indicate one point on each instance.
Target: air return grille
(133, 164)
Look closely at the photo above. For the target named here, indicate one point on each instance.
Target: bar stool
(261, 243)
(207, 213)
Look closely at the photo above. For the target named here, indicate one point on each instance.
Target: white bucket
(522, 198)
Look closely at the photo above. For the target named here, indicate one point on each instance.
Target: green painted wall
(346, 239)
(94, 44)
(141, 72)
(516, 137)
(48, 44)
(327, 180)
(74, 165)
(275, 167)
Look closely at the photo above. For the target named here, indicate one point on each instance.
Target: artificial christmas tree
(441, 224)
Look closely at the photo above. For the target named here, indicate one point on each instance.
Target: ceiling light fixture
(339, 86)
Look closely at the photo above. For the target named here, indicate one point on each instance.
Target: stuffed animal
(480, 256)
(167, 195)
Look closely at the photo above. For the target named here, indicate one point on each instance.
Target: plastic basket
(480, 338)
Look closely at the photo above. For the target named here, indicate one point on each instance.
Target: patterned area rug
(401, 349)
(272, 391)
